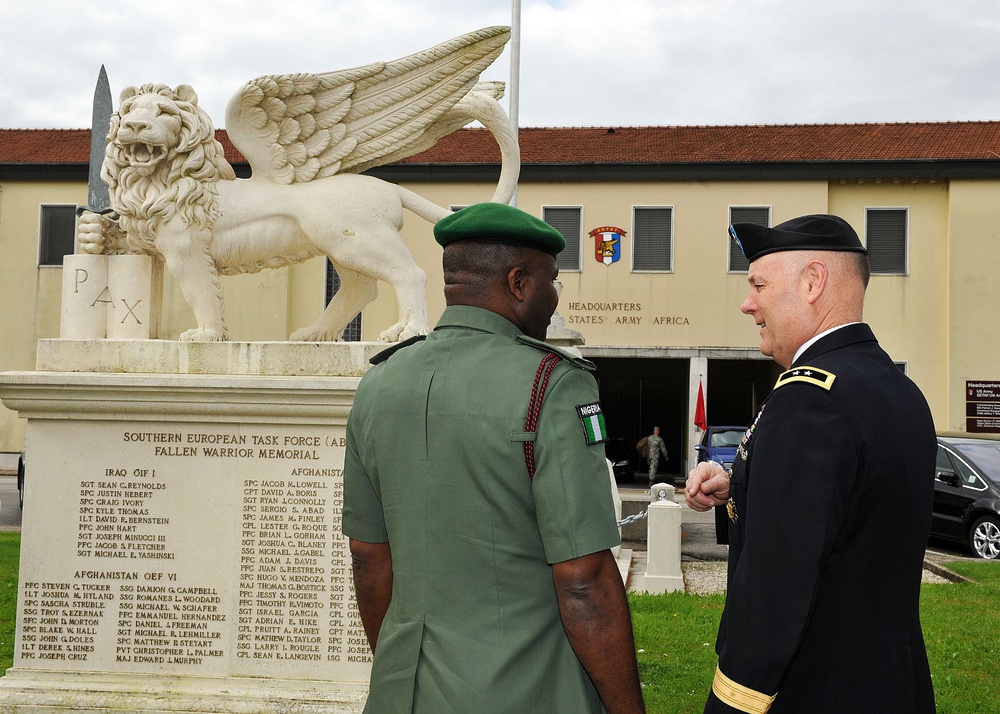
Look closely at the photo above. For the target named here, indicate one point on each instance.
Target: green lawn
(675, 636)
(962, 631)
(675, 639)
(10, 548)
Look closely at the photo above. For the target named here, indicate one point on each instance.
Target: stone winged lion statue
(306, 137)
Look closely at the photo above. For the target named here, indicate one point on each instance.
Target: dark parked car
(719, 443)
(967, 493)
(617, 453)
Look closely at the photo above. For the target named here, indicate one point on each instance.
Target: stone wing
(298, 127)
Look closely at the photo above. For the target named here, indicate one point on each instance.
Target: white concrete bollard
(663, 554)
(84, 297)
(616, 498)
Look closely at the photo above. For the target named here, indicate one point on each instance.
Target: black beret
(817, 232)
(499, 223)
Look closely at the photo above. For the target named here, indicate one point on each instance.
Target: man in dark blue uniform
(829, 498)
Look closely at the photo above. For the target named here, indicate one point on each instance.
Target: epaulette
(579, 362)
(809, 375)
(390, 351)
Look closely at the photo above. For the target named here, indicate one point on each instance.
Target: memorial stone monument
(181, 547)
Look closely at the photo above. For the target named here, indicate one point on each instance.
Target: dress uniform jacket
(829, 516)
(436, 466)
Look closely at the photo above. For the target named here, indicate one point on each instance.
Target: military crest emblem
(607, 244)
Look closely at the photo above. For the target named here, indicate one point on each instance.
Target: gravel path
(704, 577)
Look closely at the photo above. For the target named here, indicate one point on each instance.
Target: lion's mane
(184, 181)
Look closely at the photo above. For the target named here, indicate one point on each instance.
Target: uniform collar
(476, 318)
(834, 339)
(816, 338)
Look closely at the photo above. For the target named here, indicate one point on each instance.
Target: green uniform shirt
(435, 466)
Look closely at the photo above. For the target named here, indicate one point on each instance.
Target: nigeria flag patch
(593, 423)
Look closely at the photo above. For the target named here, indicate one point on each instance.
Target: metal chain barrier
(660, 496)
(632, 519)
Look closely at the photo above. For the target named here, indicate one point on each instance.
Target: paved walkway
(703, 561)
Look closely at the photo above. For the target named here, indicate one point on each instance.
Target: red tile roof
(721, 144)
(630, 145)
(44, 146)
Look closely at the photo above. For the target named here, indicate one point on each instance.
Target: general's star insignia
(810, 375)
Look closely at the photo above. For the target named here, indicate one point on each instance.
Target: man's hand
(707, 486)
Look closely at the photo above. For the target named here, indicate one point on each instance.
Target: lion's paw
(412, 332)
(400, 332)
(311, 334)
(209, 335)
(392, 334)
(90, 233)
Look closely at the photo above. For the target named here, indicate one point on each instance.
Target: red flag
(699, 410)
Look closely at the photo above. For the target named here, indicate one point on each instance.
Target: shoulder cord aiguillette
(535, 407)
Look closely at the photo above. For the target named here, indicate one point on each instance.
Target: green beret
(818, 232)
(499, 223)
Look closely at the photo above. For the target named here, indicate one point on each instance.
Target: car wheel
(984, 537)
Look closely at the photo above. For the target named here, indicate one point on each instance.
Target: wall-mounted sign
(618, 313)
(607, 244)
(982, 407)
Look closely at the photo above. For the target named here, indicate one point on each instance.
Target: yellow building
(650, 278)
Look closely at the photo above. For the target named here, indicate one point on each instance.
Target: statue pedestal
(181, 547)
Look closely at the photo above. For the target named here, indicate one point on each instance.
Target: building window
(566, 220)
(652, 239)
(761, 216)
(885, 238)
(352, 333)
(57, 234)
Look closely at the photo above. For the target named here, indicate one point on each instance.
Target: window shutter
(58, 234)
(567, 221)
(652, 239)
(886, 240)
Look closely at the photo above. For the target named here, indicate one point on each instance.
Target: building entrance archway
(638, 393)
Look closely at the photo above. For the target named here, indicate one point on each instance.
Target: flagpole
(515, 72)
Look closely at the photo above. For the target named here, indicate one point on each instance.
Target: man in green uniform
(477, 498)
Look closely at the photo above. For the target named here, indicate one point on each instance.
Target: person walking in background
(652, 447)
(477, 500)
(829, 498)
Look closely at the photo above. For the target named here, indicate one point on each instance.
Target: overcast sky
(583, 62)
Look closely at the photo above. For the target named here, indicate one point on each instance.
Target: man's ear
(515, 283)
(815, 275)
